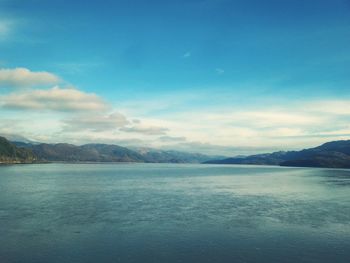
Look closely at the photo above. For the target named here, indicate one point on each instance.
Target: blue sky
(216, 76)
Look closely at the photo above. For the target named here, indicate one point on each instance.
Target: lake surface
(173, 213)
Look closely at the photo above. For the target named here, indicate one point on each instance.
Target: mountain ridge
(93, 152)
(10, 153)
(335, 154)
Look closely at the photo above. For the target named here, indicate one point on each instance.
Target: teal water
(173, 213)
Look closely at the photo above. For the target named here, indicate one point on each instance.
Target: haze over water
(173, 213)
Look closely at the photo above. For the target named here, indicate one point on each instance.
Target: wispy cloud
(95, 122)
(337, 107)
(220, 71)
(172, 138)
(22, 77)
(187, 55)
(6, 26)
(146, 130)
(267, 118)
(77, 67)
(79, 117)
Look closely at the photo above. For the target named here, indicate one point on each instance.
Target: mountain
(86, 153)
(64, 152)
(171, 156)
(334, 154)
(10, 153)
(17, 138)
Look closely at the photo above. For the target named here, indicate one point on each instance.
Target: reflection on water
(173, 213)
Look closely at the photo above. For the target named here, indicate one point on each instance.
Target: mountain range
(24, 152)
(334, 154)
(10, 153)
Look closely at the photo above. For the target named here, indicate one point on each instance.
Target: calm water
(173, 213)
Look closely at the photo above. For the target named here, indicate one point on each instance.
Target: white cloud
(268, 118)
(56, 99)
(283, 127)
(216, 130)
(146, 130)
(337, 107)
(95, 122)
(172, 139)
(22, 77)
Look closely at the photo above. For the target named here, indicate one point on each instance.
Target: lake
(173, 213)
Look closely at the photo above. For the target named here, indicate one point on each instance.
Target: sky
(212, 76)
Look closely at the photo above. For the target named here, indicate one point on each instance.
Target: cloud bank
(72, 115)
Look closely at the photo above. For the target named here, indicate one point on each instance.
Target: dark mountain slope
(86, 153)
(109, 153)
(332, 154)
(170, 156)
(10, 153)
(115, 153)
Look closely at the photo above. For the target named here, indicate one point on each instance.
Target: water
(173, 213)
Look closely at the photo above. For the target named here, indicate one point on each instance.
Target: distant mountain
(17, 138)
(265, 159)
(10, 153)
(332, 154)
(171, 156)
(108, 153)
(86, 153)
